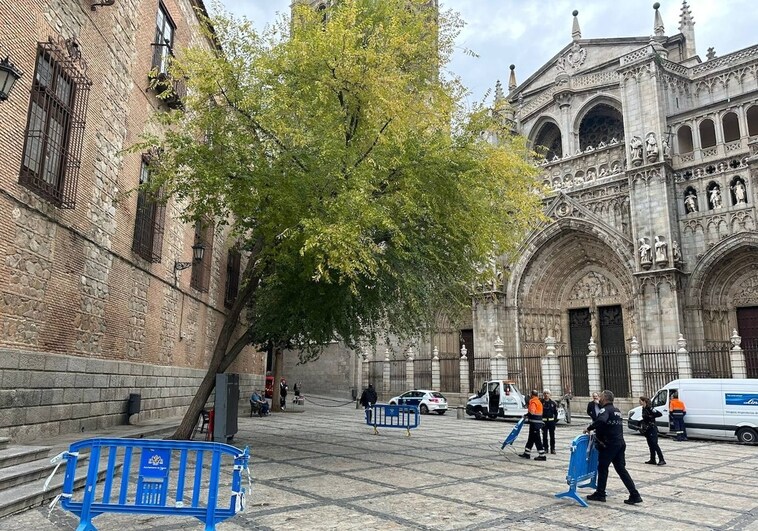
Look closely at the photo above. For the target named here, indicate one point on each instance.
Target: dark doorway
(614, 364)
(747, 327)
(580, 332)
(467, 338)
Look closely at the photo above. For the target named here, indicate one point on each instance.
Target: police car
(425, 400)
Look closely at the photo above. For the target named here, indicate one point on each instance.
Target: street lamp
(9, 74)
(198, 250)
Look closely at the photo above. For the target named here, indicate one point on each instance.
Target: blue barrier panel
(387, 416)
(157, 476)
(582, 467)
(513, 435)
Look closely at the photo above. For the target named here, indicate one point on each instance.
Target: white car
(425, 400)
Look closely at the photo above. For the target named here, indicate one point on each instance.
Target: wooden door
(614, 363)
(747, 327)
(580, 333)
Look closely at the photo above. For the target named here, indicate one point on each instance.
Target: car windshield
(437, 395)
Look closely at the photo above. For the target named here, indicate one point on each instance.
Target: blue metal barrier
(387, 416)
(513, 435)
(156, 478)
(582, 467)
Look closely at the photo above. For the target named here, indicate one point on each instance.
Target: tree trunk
(221, 359)
(278, 370)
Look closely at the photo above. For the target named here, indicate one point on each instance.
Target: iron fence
(526, 371)
(711, 361)
(450, 375)
(614, 372)
(397, 377)
(479, 371)
(375, 374)
(659, 367)
(574, 376)
(422, 374)
(750, 349)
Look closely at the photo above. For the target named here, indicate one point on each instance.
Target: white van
(716, 408)
(500, 398)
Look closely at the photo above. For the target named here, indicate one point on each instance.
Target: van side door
(660, 403)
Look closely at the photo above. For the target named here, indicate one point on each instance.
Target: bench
(388, 416)
(162, 485)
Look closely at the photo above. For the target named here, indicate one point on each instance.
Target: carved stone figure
(690, 202)
(676, 252)
(651, 147)
(645, 254)
(615, 169)
(591, 175)
(603, 171)
(635, 150)
(715, 197)
(660, 249)
(739, 193)
(666, 149)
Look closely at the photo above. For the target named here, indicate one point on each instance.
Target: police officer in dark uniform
(550, 419)
(609, 430)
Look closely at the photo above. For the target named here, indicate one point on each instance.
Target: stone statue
(651, 147)
(615, 169)
(676, 252)
(666, 149)
(715, 197)
(603, 171)
(739, 193)
(590, 175)
(645, 255)
(690, 202)
(635, 149)
(660, 249)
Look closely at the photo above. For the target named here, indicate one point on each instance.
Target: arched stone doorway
(575, 285)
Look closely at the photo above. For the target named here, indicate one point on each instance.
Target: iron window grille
(150, 218)
(201, 271)
(232, 277)
(55, 123)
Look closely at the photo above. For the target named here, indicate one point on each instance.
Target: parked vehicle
(425, 400)
(716, 408)
(500, 398)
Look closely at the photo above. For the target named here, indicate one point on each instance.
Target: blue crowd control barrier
(388, 416)
(160, 485)
(513, 435)
(582, 468)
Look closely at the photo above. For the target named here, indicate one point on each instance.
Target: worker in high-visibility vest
(677, 411)
(534, 417)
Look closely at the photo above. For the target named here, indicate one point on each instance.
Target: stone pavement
(324, 469)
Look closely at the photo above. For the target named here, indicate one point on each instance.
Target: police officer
(534, 417)
(550, 419)
(609, 430)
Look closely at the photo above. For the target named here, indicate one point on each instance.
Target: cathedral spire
(687, 27)
(499, 96)
(576, 33)
(512, 79)
(658, 29)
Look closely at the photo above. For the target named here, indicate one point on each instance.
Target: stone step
(30, 495)
(13, 476)
(15, 455)
(4, 441)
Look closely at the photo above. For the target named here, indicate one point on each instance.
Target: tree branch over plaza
(363, 193)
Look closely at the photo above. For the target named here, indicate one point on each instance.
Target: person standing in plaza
(650, 431)
(534, 417)
(609, 432)
(549, 419)
(677, 411)
(593, 408)
(283, 388)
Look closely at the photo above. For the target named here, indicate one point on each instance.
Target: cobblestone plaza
(324, 469)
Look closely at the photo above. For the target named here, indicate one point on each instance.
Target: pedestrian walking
(677, 411)
(593, 408)
(650, 431)
(549, 420)
(283, 393)
(609, 434)
(534, 417)
(368, 399)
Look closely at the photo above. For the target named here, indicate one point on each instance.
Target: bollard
(461, 412)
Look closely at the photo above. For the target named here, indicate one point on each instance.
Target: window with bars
(232, 277)
(201, 271)
(55, 123)
(163, 44)
(150, 219)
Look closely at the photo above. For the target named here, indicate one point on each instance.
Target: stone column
(409, 380)
(635, 369)
(737, 357)
(593, 368)
(386, 372)
(683, 363)
(436, 369)
(463, 365)
(551, 369)
(365, 368)
(496, 361)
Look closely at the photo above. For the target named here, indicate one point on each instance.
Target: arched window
(548, 141)
(752, 120)
(739, 191)
(601, 124)
(684, 139)
(731, 127)
(707, 133)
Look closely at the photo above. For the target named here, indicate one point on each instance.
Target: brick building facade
(89, 307)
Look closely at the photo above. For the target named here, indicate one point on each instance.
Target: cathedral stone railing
(595, 165)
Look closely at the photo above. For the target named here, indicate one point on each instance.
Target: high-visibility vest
(677, 405)
(535, 409)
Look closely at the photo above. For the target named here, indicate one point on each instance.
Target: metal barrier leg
(409, 432)
(86, 526)
(571, 493)
(376, 432)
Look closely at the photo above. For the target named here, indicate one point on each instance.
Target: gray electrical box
(226, 405)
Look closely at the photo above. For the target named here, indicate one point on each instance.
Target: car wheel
(478, 415)
(492, 417)
(747, 435)
(441, 412)
(393, 403)
(423, 409)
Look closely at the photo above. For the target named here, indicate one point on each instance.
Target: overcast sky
(528, 33)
